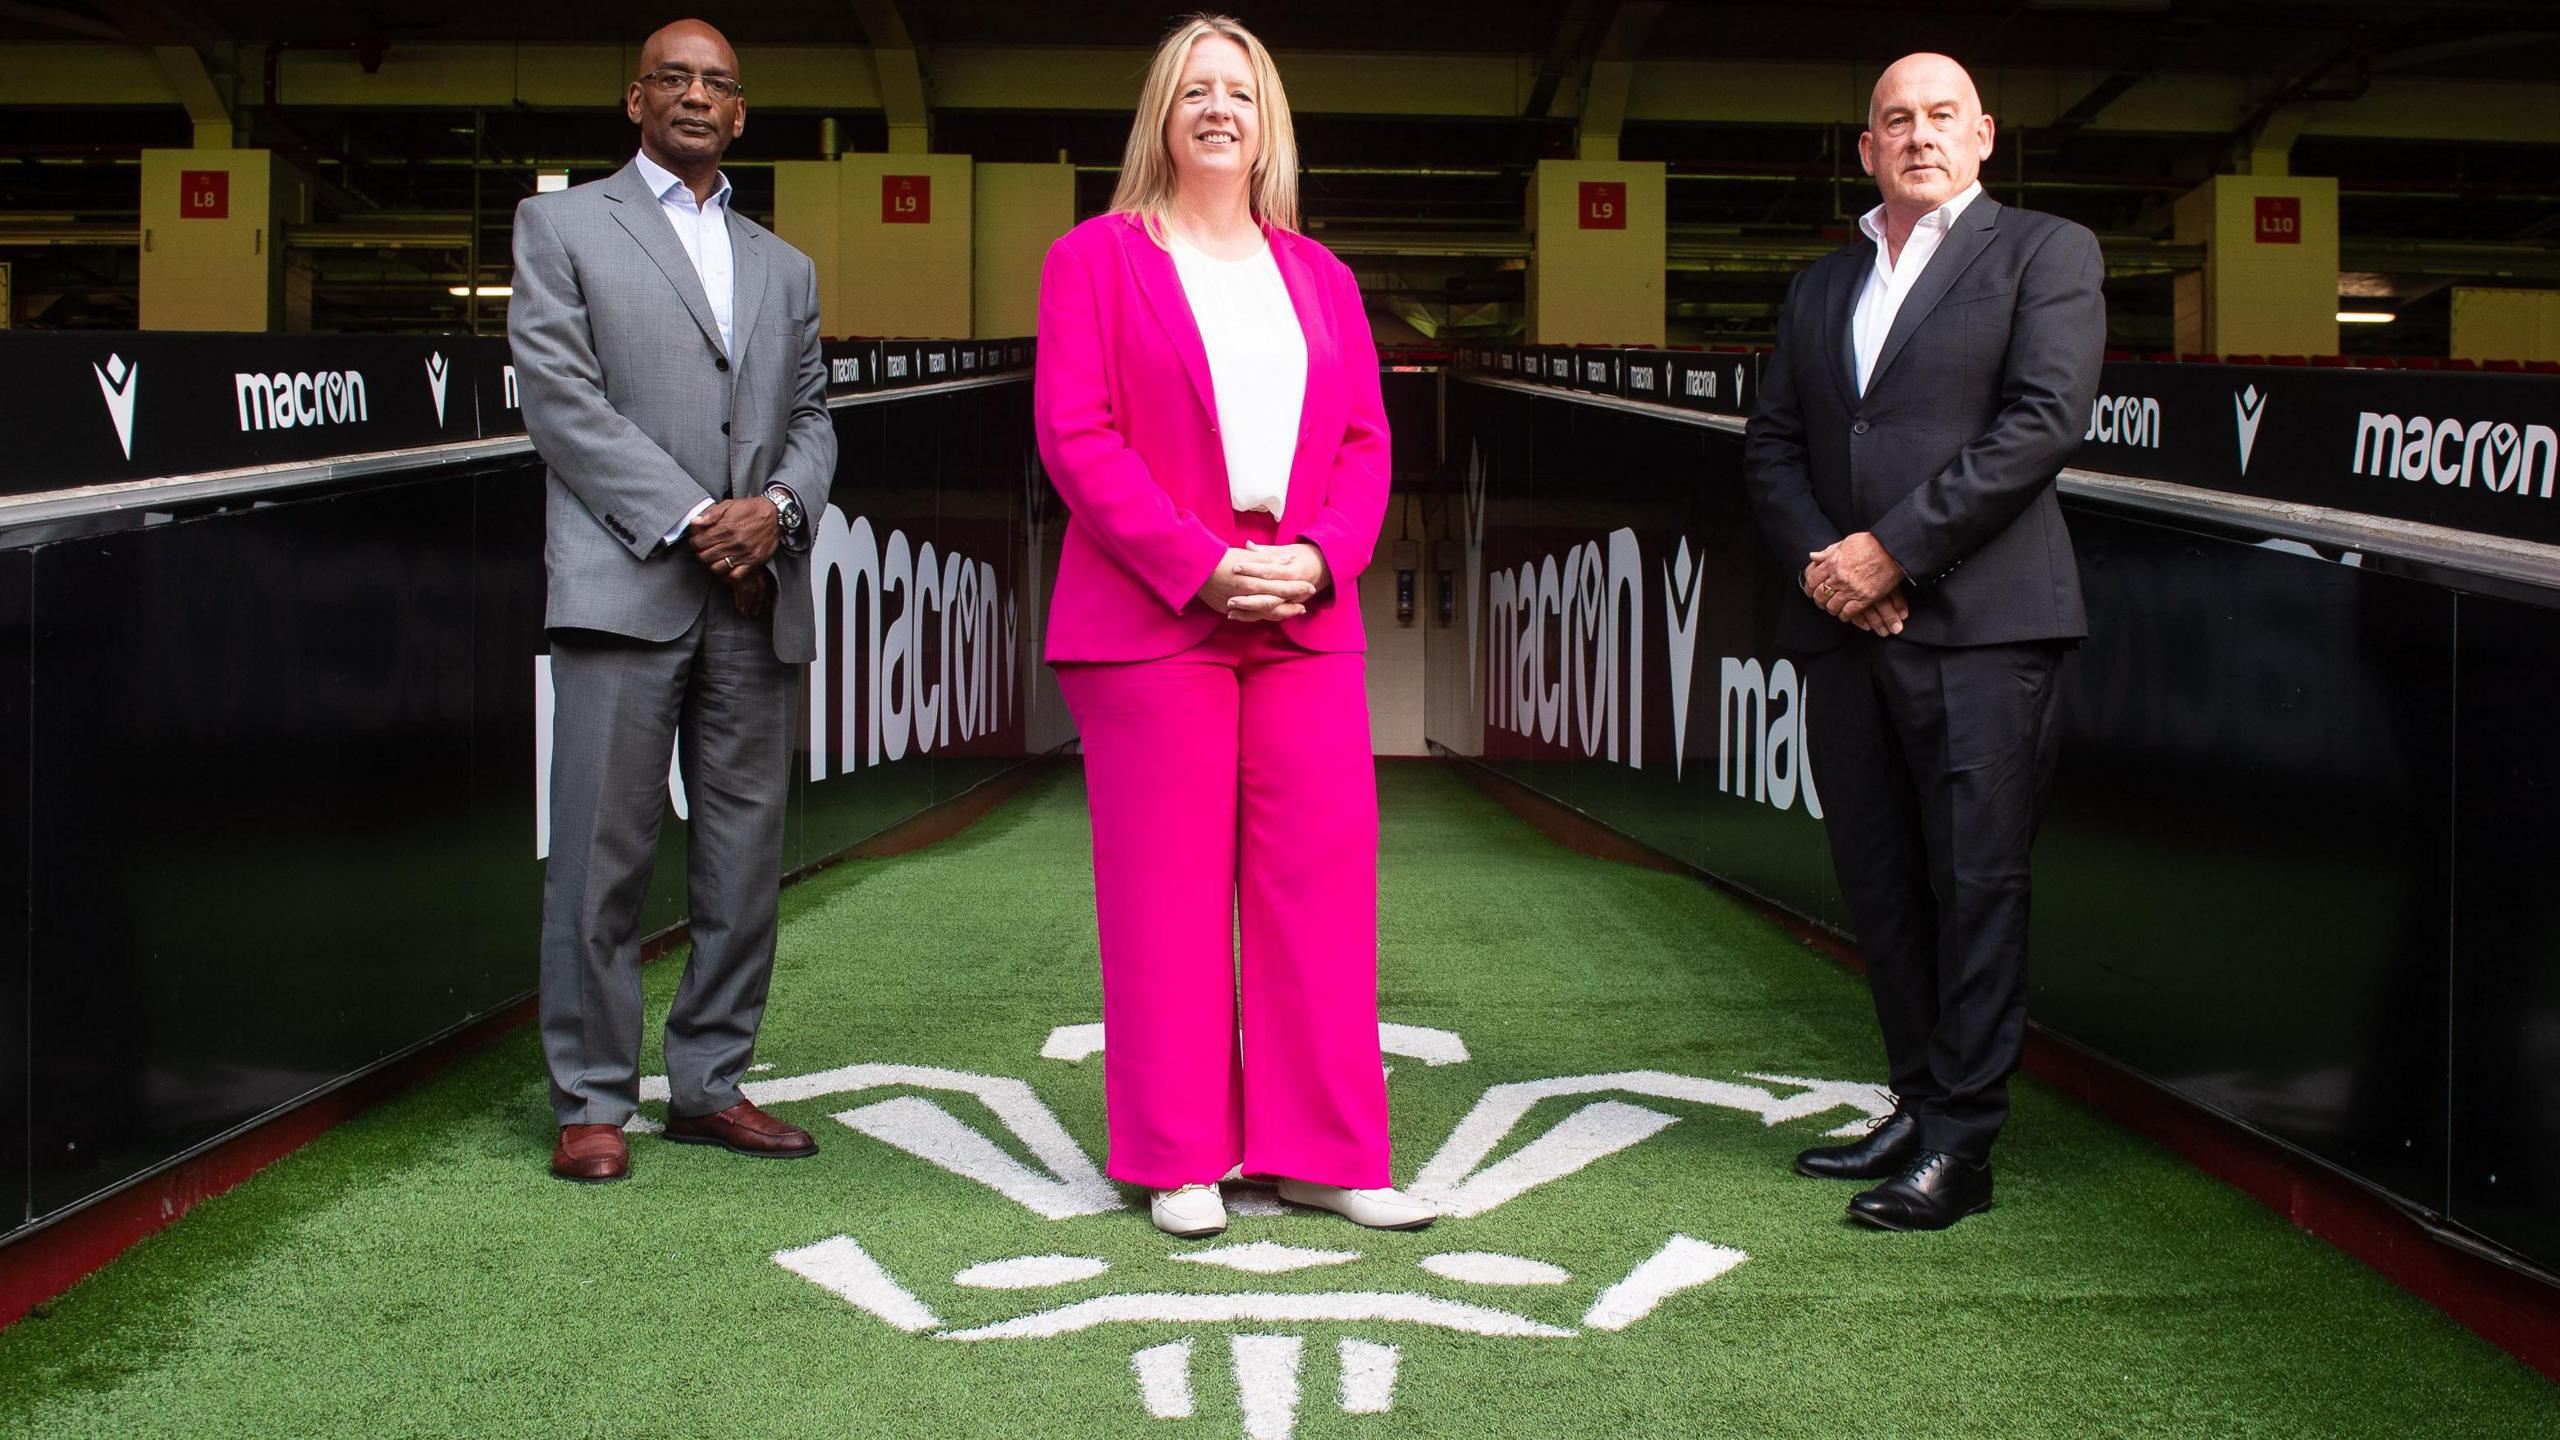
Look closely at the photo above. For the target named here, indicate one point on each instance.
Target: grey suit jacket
(1979, 396)
(639, 415)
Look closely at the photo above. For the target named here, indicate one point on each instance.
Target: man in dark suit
(668, 353)
(1928, 384)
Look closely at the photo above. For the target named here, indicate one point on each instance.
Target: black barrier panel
(2470, 451)
(901, 363)
(2256, 885)
(131, 406)
(249, 737)
(509, 668)
(494, 392)
(1719, 384)
(2242, 888)
(15, 836)
(1413, 420)
(285, 761)
(2506, 973)
(853, 366)
(1644, 375)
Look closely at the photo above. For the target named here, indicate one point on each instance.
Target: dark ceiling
(1736, 190)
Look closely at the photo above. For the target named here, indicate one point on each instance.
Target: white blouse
(1257, 368)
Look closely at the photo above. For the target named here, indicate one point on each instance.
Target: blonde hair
(1147, 177)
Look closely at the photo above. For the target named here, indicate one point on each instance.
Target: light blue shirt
(703, 230)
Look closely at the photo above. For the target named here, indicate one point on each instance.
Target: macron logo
(436, 373)
(2251, 407)
(119, 382)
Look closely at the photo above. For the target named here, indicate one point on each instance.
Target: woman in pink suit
(1207, 403)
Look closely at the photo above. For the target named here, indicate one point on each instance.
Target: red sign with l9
(1604, 205)
(906, 199)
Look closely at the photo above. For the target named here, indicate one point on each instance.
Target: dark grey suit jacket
(1980, 394)
(639, 414)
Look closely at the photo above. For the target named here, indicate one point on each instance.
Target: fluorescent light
(2366, 317)
(487, 292)
(546, 181)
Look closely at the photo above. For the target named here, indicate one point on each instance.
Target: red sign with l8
(204, 194)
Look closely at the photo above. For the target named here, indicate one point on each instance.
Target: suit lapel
(1839, 302)
(1303, 298)
(1162, 285)
(638, 213)
(1972, 234)
(747, 267)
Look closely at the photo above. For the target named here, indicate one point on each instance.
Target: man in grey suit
(667, 353)
(1928, 384)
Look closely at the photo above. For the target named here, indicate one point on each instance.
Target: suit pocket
(2001, 289)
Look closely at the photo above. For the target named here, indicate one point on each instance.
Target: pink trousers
(1234, 782)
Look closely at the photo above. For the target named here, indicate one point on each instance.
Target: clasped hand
(735, 538)
(1857, 583)
(1266, 582)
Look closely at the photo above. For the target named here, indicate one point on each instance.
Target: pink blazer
(1128, 427)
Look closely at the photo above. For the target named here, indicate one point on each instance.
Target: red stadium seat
(2200, 359)
(2542, 367)
(2376, 362)
(2504, 367)
(2329, 362)
(2459, 365)
(2162, 357)
(2244, 359)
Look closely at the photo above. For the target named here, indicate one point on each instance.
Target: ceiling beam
(1613, 73)
(1564, 58)
(65, 21)
(898, 60)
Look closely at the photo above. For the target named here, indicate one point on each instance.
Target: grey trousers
(620, 705)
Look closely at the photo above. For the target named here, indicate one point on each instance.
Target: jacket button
(1858, 429)
(721, 364)
(724, 427)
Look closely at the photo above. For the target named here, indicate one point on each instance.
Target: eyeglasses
(672, 83)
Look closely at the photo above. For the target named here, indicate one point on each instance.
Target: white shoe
(1190, 1212)
(1380, 1209)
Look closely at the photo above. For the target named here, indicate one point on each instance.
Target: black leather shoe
(1935, 1192)
(1889, 1145)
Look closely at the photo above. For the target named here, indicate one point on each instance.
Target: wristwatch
(793, 521)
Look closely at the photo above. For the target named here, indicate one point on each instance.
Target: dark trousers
(1934, 764)
(718, 698)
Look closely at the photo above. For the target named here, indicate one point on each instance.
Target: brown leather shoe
(591, 1154)
(745, 1129)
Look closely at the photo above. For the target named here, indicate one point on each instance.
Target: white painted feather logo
(2250, 407)
(1064, 1185)
(437, 372)
(120, 384)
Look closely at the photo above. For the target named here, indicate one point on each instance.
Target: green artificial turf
(416, 1272)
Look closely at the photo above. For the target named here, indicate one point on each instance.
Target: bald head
(686, 120)
(1926, 135)
(686, 36)
(1923, 73)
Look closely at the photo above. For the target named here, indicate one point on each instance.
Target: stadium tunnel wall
(2294, 866)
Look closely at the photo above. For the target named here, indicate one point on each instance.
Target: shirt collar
(660, 180)
(1942, 218)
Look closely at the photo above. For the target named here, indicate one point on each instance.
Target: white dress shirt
(703, 229)
(1257, 368)
(1890, 282)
